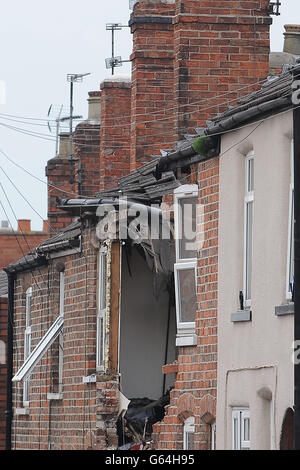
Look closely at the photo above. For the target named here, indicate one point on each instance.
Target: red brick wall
(220, 46)
(195, 388)
(86, 150)
(115, 132)
(84, 418)
(59, 172)
(14, 245)
(66, 180)
(3, 371)
(152, 80)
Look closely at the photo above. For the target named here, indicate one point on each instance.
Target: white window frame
(181, 267)
(248, 257)
(185, 330)
(239, 441)
(213, 436)
(101, 312)
(40, 350)
(183, 192)
(27, 344)
(188, 428)
(290, 248)
(61, 337)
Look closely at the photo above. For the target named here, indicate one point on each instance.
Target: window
(27, 343)
(39, 351)
(188, 433)
(248, 227)
(241, 429)
(101, 315)
(185, 269)
(31, 359)
(290, 254)
(213, 436)
(60, 337)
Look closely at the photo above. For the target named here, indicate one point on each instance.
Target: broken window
(185, 269)
(40, 350)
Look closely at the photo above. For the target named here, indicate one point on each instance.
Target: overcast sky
(40, 43)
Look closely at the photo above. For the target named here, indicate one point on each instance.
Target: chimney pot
(64, 145)
(292, 39)
(4, 224)
(94, 101)
(24, 225)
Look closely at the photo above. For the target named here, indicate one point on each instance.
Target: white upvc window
(186, 295)
(101, 314)
(185, 269)
(290, 248)
(241, 429)
(188, 433)
(39, 351)
(61, 337)
(248, 226)
(27, 344)
(34, 357)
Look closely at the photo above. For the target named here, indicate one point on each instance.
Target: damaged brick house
(97, 321)
(3, 358)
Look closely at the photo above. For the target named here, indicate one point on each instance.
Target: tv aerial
(59, 119)
(114, 61)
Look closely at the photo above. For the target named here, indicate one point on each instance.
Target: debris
(135, 425)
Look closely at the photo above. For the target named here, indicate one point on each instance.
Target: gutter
(201, 149)
(67, 204)
(26, 265)
(10, 329)
(242, 117)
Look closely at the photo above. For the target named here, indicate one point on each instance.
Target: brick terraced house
(106, 314)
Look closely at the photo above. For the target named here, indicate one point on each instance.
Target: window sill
(285, 309)
(22, 411)
(241, 316)
(54, 396)
(186, 340)
(89, 379)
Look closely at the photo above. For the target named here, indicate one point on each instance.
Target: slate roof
(66, 238)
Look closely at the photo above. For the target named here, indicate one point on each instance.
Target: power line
(16, 237)
(195, 103)
(86, 196)
(26, 200)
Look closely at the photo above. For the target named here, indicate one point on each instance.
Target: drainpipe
(10, 316)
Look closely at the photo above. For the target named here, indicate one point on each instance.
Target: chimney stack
(152, 115)
(114, 130)
(58, 171)
(24, 225)
(45, 226)
(220, 47)
(292, 39)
